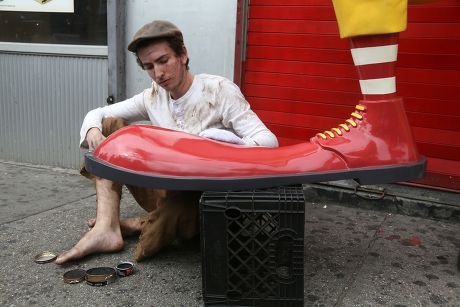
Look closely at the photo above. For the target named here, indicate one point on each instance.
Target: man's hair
(174, 43)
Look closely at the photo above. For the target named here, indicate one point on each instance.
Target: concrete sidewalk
(353, 257)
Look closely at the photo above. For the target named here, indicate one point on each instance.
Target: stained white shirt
(211, 102)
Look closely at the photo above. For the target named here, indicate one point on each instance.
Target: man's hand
(221, 135)
(94, 137)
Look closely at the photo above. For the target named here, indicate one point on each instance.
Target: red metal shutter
(300, 79)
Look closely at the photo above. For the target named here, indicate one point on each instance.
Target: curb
(391, 198)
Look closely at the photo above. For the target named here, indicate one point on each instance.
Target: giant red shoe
(374, 146)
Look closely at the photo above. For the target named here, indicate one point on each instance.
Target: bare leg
(148, 199)
(105, 236)
(170, 215)
(130, 226)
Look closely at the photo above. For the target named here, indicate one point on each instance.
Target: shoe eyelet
(345, 127)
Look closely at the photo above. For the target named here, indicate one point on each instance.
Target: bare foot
(129, 227)
(97, 240)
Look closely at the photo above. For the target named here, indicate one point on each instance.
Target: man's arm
(238, 116)
(222, 135)
(130, 110)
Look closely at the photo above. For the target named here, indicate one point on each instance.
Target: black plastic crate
(252, 246)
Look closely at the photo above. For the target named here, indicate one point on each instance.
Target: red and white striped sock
(375, 59)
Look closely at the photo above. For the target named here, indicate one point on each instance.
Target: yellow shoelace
(351, 121)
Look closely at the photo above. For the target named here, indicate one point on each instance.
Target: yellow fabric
(365, 17)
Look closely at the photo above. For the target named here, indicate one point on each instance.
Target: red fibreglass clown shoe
(374, 146)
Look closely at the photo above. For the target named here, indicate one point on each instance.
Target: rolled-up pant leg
(366, 17)
(174, 215)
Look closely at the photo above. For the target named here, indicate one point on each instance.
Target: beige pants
(170, 215)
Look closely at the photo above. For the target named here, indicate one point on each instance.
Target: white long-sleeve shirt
(211, 102)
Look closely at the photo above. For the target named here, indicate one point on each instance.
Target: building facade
(286, 55)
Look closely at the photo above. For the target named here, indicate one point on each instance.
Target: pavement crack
(346, 288)
(50, 209)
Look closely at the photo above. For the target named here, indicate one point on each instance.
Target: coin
(45, 257)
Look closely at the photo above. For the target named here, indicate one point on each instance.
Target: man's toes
(66, 256)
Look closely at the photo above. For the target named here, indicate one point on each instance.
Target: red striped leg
(375, 59)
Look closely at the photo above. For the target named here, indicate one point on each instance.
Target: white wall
(208, 27)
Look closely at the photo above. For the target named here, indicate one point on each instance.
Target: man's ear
(184, 55)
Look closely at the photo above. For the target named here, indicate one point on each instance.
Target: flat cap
(153, 30)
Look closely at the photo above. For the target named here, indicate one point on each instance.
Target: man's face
(163, 65)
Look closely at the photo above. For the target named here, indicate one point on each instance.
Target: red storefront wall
(299, 77)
